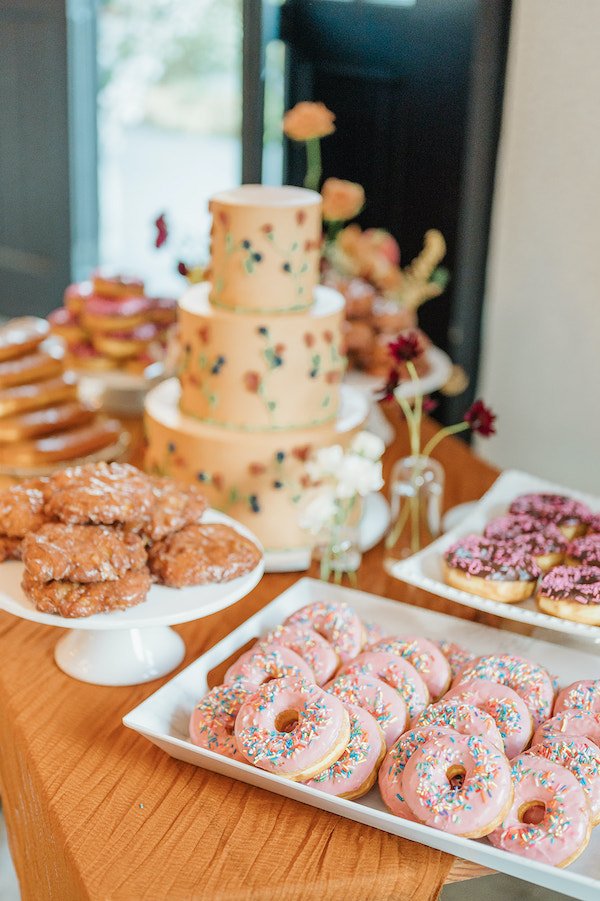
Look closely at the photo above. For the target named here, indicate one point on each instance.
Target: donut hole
(286, 721)
(532, 813)
(456, 776)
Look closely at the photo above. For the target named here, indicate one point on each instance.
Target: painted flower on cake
(308, 120)
(342, 199)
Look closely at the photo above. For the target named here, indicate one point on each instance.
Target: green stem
(313, 164)
(418, 413)
(394, 535)
(443, 433)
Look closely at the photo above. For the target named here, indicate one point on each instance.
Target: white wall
(541, 350)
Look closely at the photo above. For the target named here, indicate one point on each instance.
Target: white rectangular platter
(425, 569)
(163, 719)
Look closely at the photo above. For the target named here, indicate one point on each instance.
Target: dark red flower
(481, 419)
(406, 347)
(183, 269)
(162, 231)
(393, 380)
(429, 404)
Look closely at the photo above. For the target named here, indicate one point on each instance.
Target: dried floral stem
(443, 433)
(314, 168)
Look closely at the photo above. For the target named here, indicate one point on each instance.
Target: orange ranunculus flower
(308, 120)
(342, 199)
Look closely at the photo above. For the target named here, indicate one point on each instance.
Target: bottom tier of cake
(255, 477)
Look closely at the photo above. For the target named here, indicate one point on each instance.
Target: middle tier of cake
(253, 372)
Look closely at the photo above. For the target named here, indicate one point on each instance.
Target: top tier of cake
(265, 248)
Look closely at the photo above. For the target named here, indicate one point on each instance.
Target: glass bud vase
(416, 496)
(337, 548)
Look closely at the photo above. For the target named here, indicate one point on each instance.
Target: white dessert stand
(131, 646)
(121, 392)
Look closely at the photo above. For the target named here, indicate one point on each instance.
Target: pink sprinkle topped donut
(426, 658)
(565, 512)
(570, 722)
(337, 622)
(495, 570)
(309, 645)
(293, 728)
(456, 656)
(464, 718)
(582, 695)
(354, 773)
(511, 525)
(504, 705)
(549, 819)
(572, 592)
(255, 667)
(593, 523)
(398, 673)
(373, 632)
(392, 768)
(382, 701)
(530, 681)
(584, 551)
(582, 758)
(213, 719)
(460, 784)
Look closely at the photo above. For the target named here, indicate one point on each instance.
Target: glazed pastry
(75, 296)
(256, 667)
(581, 757)
(549, 819)
(453, 713)
(426, 658)
(44, 363)
(21, 336)
(213, 719)
(65, 324)
(336, 622)
(22, 508)
(382, 701)
(397, 672)
(584, 551)
(573, 593)
(544, 541)
(456, 656)
(174, 506)
(83, 355)
(572, 723)
(48, 420)
(508, 710)
(494, 570)
(76, 599)
(10, 548)
(354, 773)
(63, 446)
(582, 695)
(23, 398)
(460, 784)
(309, 645)
(568, 514)
(125, 343)
(104, 315)
(531, 682)
(292, 728)
(202, 553)
(116, 285)
(163, 310)
(101, 494)
(359, 296)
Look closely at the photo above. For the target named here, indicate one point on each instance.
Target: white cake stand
(131, 646)
(440, 368)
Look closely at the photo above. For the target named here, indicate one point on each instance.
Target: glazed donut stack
(547, 545)
(42, 420)
(109, 323)
(331, 702)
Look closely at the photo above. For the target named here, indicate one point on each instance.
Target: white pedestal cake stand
(131, 646)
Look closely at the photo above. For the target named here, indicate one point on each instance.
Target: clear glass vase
(337, 548)
(416, 496)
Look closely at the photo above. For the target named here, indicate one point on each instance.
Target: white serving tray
(163, 719)
(425, 569)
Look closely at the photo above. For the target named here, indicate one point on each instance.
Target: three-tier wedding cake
(260, 366)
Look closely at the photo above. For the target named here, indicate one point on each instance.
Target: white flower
(357, 475)
(325, 462)
(366, 444)
(319, 511)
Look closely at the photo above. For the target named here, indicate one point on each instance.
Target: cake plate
(131, 646)
(440, 369)
(121, 392)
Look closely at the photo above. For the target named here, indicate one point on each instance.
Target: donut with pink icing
(309, 645)
(460, 784)
(582, 758)
(565, 512)
(392, 768)
(497, 570)
(456, 655)
(336, 622)
(426, 658)
(397, 672)
(584, 551)
(529, 680)
(373, 633)
(582, 695)
(570, 722)
(593, 523)
(255, 667)
(292, 728)
(507, 709)
(354, 773)
(382, 701)
(463, 718)
(543, 541)
(573, 593)
(108, 314)
(549, 820)
(213, 719)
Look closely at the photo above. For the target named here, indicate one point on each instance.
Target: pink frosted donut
(570, 722)
(456, 656)
(530, 681)
(565, 512)
(255, 667)
(353, 774)
(373, 632)
(511, 525)
(392, 768)
(460, 784)
(549, 819)
(124, 306)
(377, 697)
(397, 672)
(504, 705)
(426, 658)
(584, 551)
(337, 622)
(213, 718)
(582, 695)
(593, 523)
(493, 569)
(309, 645)
(293, 728)
(463, 718)
(582, 758)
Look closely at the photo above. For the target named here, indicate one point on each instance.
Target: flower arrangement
(339, 478)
